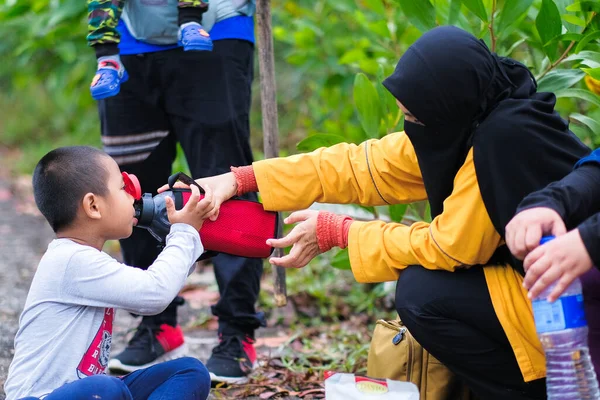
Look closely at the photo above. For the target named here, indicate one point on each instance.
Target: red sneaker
(232, 360)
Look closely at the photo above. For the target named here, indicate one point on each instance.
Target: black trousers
(201, 100)
(451, 315)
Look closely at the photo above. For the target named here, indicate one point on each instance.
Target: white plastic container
(340, 386)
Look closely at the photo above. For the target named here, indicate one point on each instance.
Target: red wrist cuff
(246, 181)
(332, 230)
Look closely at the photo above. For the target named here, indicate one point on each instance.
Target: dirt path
(23, 239)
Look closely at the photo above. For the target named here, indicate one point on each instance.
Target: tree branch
(555, 63)
(491, 26)
(566, 53)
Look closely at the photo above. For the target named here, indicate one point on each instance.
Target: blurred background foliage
(331, 56)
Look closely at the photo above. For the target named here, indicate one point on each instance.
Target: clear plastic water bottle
(563, 331)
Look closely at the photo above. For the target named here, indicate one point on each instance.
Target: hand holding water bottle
(559, 261)
(562, 328)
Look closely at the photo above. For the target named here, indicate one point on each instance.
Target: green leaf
(580, 94)
(477, 8)
(380, 28)
(454, 11)
(341, 260)
(420, 13)
(593, 72)
(514, 46)
(397, 212)
(574, 19)
(381, 91)
(427, 213)
(559, 79)
(589, 58)
(567, 37)
(562, 9)
(318, 140)
(376, 5)
(548, 22)
(389, 109)
(367, 105)
(594, 35)
(511, 12)
(351, 56)
(587, 121)
(585, 6)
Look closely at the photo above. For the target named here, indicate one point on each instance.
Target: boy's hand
(525, 230)
(560, 260)
(223, 187)
(195, 210)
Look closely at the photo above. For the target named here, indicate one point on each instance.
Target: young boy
(63, 343)
(103, 17)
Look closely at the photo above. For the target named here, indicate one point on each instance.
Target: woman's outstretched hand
(223, 187)
(303, 239)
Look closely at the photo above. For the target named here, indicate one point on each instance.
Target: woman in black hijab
(464, 97)
(478, 138)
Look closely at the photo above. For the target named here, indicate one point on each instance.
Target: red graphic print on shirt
(95, 359)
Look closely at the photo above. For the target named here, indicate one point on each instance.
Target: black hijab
(466, 96)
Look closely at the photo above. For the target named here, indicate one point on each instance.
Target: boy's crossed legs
(185, 379)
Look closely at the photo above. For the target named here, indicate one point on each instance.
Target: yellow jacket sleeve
(376, 172)
(461, 236)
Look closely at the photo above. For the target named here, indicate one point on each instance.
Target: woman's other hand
(303, 239)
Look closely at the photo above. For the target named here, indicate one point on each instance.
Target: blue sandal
(107, 81)
(193, 37)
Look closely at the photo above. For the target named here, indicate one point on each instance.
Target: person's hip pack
(395, 354)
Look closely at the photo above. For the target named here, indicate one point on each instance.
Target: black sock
(106, 49)
(191, 14)
(168, 316)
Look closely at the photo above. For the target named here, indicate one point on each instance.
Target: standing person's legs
(184, 379)
(92, 387)
(451, 315)
(210, 116)
(136, 133)
(591, 299)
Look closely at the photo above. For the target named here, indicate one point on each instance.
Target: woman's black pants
(451, 315)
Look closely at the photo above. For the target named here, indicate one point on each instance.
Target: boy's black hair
(61, 179)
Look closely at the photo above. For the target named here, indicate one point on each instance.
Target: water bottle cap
(132, 185)
(546, 239)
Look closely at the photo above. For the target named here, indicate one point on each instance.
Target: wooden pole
(268, 97)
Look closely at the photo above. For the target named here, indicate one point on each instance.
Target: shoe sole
(103, 94)
(115, 365)
(235, 380)
(199, 47)
(240, 380)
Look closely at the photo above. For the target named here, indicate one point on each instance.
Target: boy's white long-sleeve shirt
(65, 329)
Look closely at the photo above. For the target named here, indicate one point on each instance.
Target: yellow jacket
(385, 171)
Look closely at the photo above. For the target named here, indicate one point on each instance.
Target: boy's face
(118, 214)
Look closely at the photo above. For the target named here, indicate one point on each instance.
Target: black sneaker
(232, 360)
(149, 345)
